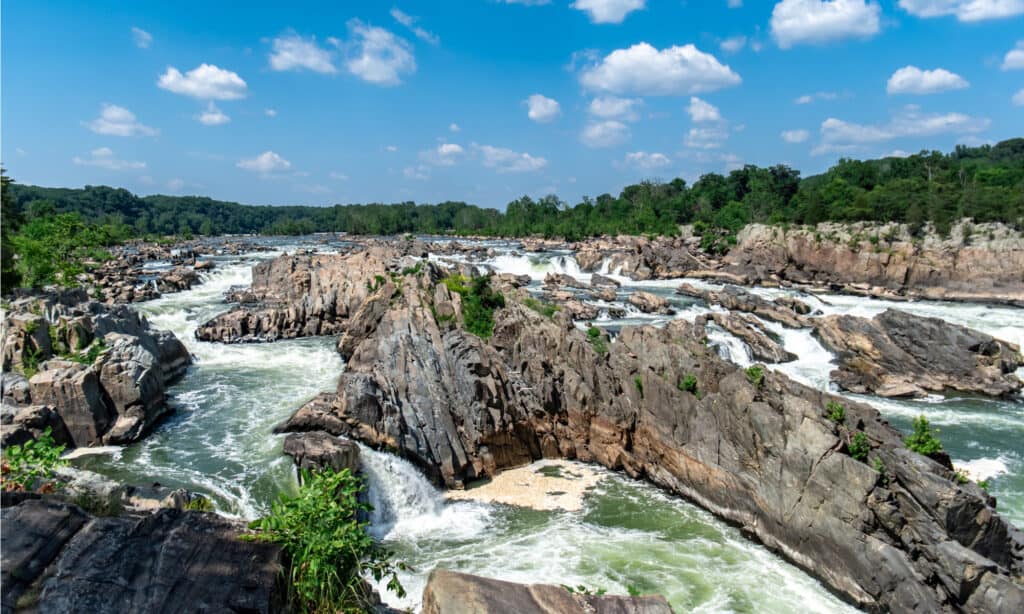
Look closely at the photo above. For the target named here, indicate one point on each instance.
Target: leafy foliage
(35, 460)
(583, 590)
(755, 375)
(689, 383)
(548, 310)
(859, 447)
(597, 340)
(327, 547)
(836, 412)
(479, 301)
(922, 439)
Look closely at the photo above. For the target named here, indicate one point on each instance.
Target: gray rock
(316, 451)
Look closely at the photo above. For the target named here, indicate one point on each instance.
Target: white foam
(982, 468)
(114, 451)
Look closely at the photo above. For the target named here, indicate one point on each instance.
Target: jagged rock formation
(751, 331)
(450, 592)
(650, 303)
(784, 310)
(898, 354)
(94, 374)
(315, 451)
(58, 558)
(760, 452)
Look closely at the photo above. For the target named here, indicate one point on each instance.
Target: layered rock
(650, 303)
(58, 558)
(316, 451)
(787, 311)
(899, 354)
(759, 453)
(450, 592)
(751, 331)
(96, 374)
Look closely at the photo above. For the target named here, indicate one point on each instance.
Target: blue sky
(484, 101)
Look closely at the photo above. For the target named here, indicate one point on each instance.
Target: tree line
(985, 183)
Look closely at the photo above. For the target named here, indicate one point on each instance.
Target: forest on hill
(985, 183)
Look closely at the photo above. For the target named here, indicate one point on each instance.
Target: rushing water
(628, 535)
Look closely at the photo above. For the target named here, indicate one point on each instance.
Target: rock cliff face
(886, 260)
(57, 558)
(889, 530)
(898, 354)
(92, 373)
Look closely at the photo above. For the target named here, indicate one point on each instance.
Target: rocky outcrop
(897, 354)
(889, 530)
(316, 451)
(985, 263)
(640, 258)
(751, 331)
(450, 592)
(787, 311)
(303, 295)
(96, 374)
(650, 303)
(58, 558)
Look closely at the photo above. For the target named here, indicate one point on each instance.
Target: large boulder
(451, 592)
(316, 451)
(787, 311)
(75, 390)
(899, 354)
(650, 303)
(752, 332)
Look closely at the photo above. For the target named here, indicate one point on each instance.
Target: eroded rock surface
(751, 331)
(787, 311)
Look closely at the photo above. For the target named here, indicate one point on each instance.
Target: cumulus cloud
(453, 127)
(703, 111)
(378, 56)
(266, 162)
(293, 52)
(206, 82)
(119, 121)
(1014, 58)
(795, 136)
(711, 137)
(104, 158)
(445, 154)
(733, 44)
(1018, 98)
(964, 10)
(796, 22)
(839, 135)
(608, 11)
(212, 116)
(410, 22)
(646, 161)
(142, 38)
(507, 161)
(604, 133)
(270, 112)
(646, 71)
(542, 109)
(913, 80)
(613, 107)
(809, 98)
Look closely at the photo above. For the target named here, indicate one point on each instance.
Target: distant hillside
(986, 183)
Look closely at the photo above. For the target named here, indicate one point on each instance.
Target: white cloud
(206, 82)
(266, 162)
(839, 135)
(175, 184)
(142, 38)
(703, 111)
(1018, 98)
(913, 80)
(338, 176)
(897, 153)
(542, 109)
(733, 44)
(270, 112)
(104, 158)
(293, 52)
(706, 138)
(1014, 59)
(391, 148)
(453, 127)
(797, 22)
(527, 2)
(809, 98)
(119, 121)
(507, 161)
(605, 134)
(795, 136)
(410, 22)
(964, 10)
(212, 116)
(613, 107)
(608, 11)
(445, 154)
(419, 173)
(380, 57)
(646, 71)
(645, 160)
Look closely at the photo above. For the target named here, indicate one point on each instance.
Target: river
(628, 534)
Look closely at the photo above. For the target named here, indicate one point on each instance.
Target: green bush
(35, 460)
(547, 310)
(922, 440)
(639, 383)
(597, 341)
(961, 476)
(327, 548)
(756, 375)
(836, 412)
(479, 301)
(689, 383)
(859, 447)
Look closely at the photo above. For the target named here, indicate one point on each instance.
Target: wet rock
(755, 335)
(784, 310)
(57, 558)
(451, 592)
(600, 280)
(316, 451)
(564, 281)
(21, 425)
(899, 354)
(650, 303)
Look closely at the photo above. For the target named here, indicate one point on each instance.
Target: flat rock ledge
(450, 592)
